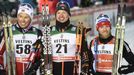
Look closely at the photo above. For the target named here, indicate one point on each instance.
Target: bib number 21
(59, 46)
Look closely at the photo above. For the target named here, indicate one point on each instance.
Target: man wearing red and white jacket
(102, 47)
(24, 36)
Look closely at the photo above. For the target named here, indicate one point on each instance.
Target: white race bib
(64, 47)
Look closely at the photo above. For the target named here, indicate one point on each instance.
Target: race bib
(23, 46)
(64, 47)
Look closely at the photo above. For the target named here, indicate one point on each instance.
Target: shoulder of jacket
(94, 39)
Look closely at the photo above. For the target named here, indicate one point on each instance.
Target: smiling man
(102, 47)
(63, 36)
(24, 36)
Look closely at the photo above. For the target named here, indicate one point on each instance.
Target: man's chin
(105, 36)
(62, 21)
(22, 26)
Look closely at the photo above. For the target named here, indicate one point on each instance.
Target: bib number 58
(20, 48)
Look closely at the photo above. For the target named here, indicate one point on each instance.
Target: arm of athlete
(128, 55)
(2, 50)
(35, 56)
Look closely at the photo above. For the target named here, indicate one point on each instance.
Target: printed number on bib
(59, 46)
(20, 48)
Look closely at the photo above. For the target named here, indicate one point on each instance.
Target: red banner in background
(51, 4)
